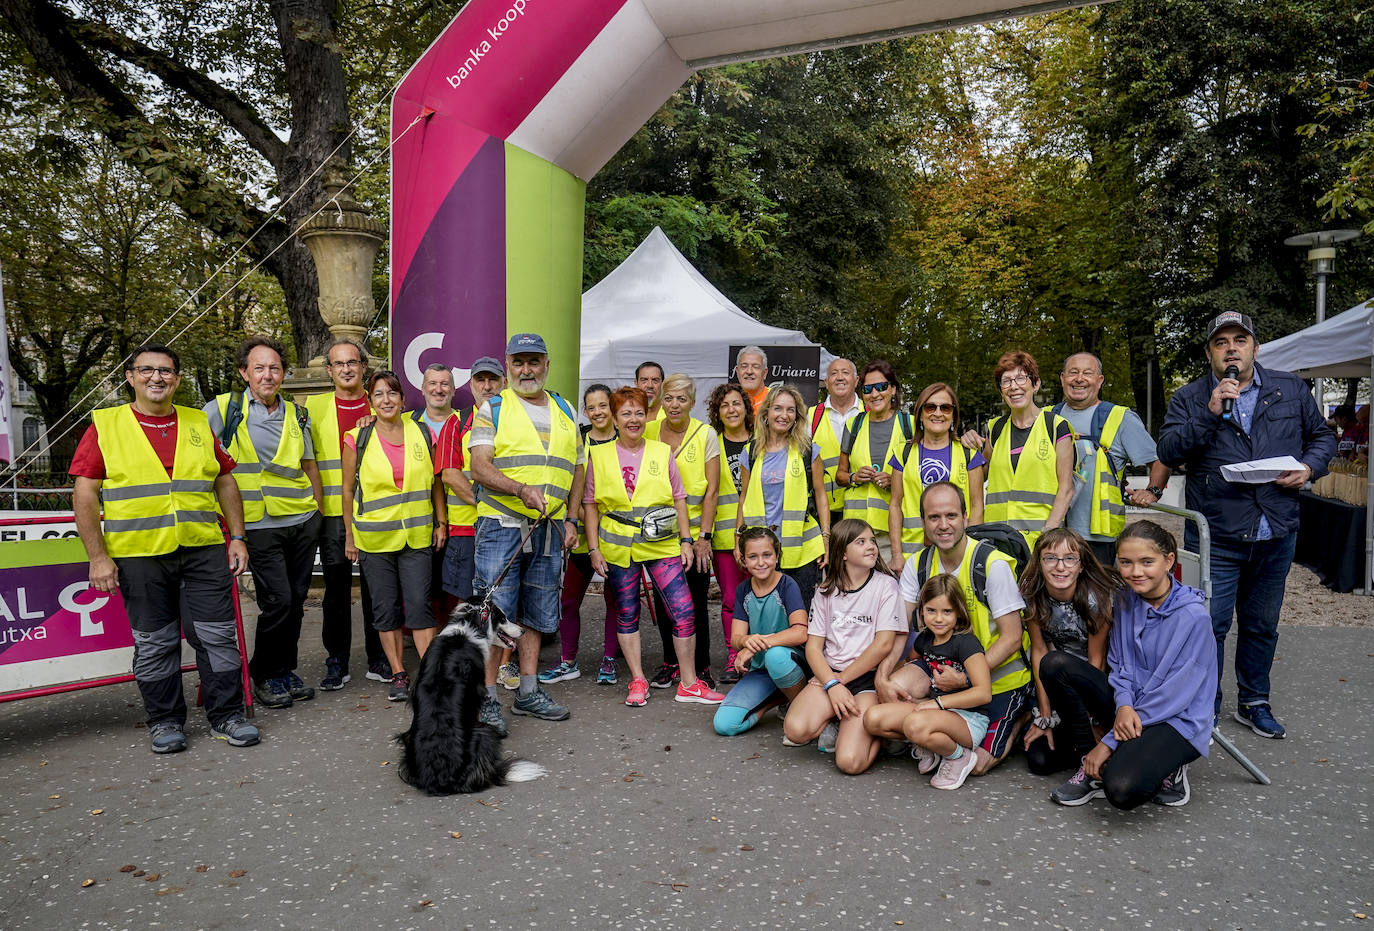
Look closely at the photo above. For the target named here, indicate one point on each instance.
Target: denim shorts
(459, 566)
(529, 591)
(977, 724)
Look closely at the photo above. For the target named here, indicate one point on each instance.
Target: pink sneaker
(699, 692)
(952, 772)
(926, 760)
(639, 693)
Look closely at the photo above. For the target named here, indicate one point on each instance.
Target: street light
(1321, 252)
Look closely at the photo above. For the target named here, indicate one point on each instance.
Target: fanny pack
(658, 523)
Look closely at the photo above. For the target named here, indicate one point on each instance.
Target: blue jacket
(1286, 423)
(1164, 663)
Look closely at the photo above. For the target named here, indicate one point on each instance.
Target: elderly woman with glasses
(871, 439)
(1030, 454)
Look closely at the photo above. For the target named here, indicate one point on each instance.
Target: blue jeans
(1247, 583)
(528, 594)
(778, 668)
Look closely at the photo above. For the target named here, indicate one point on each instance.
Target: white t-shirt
(850, 620)
(1004, 597)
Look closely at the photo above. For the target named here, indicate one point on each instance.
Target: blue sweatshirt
(1164, 663)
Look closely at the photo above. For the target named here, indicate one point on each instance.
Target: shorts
(530, 589)
(459, 566)
(977, 724)
(1003, 712)
(865, 683)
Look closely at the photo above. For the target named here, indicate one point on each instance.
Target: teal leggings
(781, 668)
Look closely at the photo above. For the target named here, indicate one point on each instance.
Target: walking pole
(1241, 758)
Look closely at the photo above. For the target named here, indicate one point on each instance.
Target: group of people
(853, 595)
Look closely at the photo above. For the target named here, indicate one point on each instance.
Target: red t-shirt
(448, 454)
(89, 461)
(348, 413)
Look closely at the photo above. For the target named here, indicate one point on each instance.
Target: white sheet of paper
(1259, 471)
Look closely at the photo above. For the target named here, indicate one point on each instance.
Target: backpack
(988, 538)
(903, 421)
(563, 406)
(233, 416)
(365, 434)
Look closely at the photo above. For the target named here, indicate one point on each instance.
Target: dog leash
(496, 583)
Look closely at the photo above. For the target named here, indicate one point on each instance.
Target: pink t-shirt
(630, 460)
(396, 455)
(850, 620)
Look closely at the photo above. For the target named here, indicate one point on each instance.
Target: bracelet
(687, 540)
(234, 536)
(939, 704)
(831, 684)
(1047, 723)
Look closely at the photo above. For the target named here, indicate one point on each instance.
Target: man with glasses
(827, 425)
(331, 416)
(161, 474)
(269, 438)
(1108, 436)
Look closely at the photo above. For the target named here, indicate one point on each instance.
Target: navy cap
(526, 342)
(1231, 318)
(487, 364)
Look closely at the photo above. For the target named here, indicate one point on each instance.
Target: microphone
(1228, 403)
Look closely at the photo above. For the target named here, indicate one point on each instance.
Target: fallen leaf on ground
(97, 811)
(714, 818)
(170, 890)
(54, 796)
(676, 887)
(152, 877)
(87, 883)
(360, 708)
(746, 846)
(129, 868)
(202, 868)
(426, 903)
(386, 762)
(140, 872)
(754, 757)
(899, 922)
(455, 834)
(667, 748)
(235, 874)
(1361, 915)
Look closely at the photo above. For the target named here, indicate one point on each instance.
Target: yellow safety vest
(868, 502)
(148, 513)
(386, 520)
(521, 457)
(727, 507)
(800, 534)
(324, 430)
(691, 467)
(1108, 516)
(913, 531)
(622, 542)
(824, 437)
(278, 487)
(460, 513)
(1023, 497)
(1013, 673)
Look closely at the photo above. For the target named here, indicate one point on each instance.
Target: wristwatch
(1156, 491)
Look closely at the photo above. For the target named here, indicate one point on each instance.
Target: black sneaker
(729, 675)
(1079, 790)
(1260, 720)
(237, 731)
(167, 737)
(705, 676)
(335, 675)
(400, 687)
(274, 693)
(379, 671)
(1174, 791)
(299, 690)
(667, 674)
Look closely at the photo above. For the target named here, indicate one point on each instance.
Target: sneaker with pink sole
(953, 772)
(926, 760)
(698, 692)
(639, 693)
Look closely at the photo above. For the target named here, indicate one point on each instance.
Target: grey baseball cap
(1231, 318)
(489, 365)
(526, 342)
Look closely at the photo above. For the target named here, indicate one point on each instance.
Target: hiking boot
(953, 771)
(1174, 791)
(490, 715)
(167, 737)
(826, 741)
(237, 731)
(299, 690)
(400, 687)
(1079, 790)
(539, 704)
(666, 675)
(605, 673)
(563, 672)
(274, 693)
(335, 675)
(1260, 720)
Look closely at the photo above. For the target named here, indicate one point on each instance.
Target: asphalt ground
(647, 819)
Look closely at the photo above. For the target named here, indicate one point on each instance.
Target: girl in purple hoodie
(1162, 656)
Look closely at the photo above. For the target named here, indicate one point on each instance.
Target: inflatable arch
(498, 126)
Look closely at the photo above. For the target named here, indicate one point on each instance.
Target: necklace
(162, 428)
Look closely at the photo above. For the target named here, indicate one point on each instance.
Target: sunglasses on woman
(879, 386)
(932, 408)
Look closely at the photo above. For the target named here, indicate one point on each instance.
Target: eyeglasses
(880, 386)
(1068, 562)
(348, 364)
(1018, 381)
(147, 371)
(932, 408)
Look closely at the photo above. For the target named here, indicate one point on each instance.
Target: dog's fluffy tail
(522, 771)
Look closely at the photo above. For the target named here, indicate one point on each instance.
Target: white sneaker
(826, 742)
(953, 772)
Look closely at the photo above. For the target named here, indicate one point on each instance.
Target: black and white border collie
(447, 749)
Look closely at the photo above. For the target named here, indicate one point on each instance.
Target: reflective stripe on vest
(691, 467)
(278, 487)
(620, 542)
(388, 519)
(152, 518)
(1013, 673)
(799, 532)
(829, 444)
(520, 456)
(1023, 497)
(913, 531)
(868, 502)
(1108, 513)
(324, 431)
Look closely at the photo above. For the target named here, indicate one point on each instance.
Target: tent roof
(1338, 347)
(656, 305)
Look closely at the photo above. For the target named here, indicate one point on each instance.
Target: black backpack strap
(233, 416)
(998, 425)
(364, 434)
(904, 421)
(978, 569)
(924, 562)
(847, 446)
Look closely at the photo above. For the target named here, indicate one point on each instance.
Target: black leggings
(1135, 771)
(699, 584)
(1080, 693)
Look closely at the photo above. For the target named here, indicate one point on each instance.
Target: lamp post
(1321, 252)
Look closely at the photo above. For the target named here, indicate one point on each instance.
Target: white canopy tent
(1339, 347)
(656, 305)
